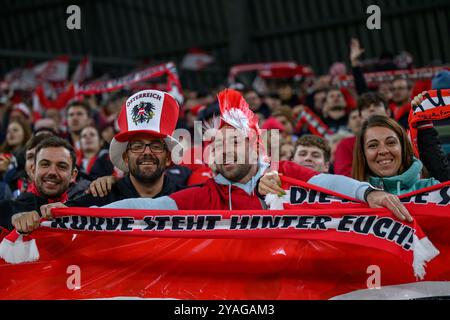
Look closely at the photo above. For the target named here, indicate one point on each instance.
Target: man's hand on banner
(101, 186)
(46, 209)
(381, 199)
(270, 183)
(25, 222)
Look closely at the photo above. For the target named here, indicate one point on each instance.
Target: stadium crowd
(90, 153)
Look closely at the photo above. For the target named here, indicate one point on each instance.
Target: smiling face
(234, 156)
(148, 165)
(29, 163)
(53, 171)
(383, 151)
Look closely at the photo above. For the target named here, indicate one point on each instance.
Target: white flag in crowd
(21, 79)
(196, 59)
(83, 70)
(53, 70)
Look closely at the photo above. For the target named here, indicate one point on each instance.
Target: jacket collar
(250, 185)
(403, 181)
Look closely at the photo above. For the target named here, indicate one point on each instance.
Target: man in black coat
(143, 152)
(146, 176)
(53, 170)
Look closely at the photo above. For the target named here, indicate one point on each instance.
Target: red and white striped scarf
(436, 106)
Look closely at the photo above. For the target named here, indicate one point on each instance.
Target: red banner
(435, 106)
(375, 78)
(259, 263)
(172, 86)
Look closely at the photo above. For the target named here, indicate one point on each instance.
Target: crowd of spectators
(358, 122)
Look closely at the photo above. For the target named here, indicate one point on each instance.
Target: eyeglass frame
(145, 147)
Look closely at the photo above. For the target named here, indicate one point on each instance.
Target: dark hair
(409, 83)
(284, 111)
(369, 98)
(81, 104)
(249, 90)
(309, 140)
(57, 142)
(35, 140)
(360, 169)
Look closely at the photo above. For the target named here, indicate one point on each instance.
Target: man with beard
(141, 149)
(53, 170)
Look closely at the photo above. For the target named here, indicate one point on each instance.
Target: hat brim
(119, 145)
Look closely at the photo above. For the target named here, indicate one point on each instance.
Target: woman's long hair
(27, 133)
(360, 168)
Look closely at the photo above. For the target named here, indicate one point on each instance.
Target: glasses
(139, 147)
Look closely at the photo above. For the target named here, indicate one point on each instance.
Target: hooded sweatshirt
(220, 193)
(406, 182)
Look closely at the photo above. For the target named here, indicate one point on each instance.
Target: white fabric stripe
(427, 105)
(225, 224)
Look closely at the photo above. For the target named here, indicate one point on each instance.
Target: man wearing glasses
(141, 149)
(401, 99)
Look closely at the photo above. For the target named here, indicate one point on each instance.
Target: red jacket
(343, 158)
(215, 195)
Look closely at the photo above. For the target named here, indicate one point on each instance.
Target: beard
(235, 173)
(147, 176)
(51, 192)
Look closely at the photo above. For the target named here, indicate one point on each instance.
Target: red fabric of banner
(243, 268)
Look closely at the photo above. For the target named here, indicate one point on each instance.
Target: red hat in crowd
(150, 111)
(195, 110)
(235, 111)
(272, 123)
(22, 108)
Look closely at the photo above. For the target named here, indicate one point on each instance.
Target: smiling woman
(384, 157)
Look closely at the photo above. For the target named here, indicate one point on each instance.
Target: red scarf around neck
(63, 198)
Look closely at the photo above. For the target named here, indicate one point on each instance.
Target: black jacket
(25, 202)
(123, 189)
(432, 155)
(359, 80)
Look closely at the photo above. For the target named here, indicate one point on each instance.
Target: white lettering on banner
(439, 197)
(144, 95)
(381, 227)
